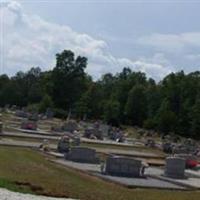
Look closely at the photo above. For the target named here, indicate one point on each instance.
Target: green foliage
(136, 106)
(195, 122)
(60, 113)
(112, 111)
(166, 119)
(149, 124)
(33, 108)
(128, 97)
(68, 78)
(45, 103)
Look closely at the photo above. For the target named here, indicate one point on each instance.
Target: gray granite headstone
(104, 128)
(150, 143)
(76, 141)
(167, 147)
(63, 145)
(92, 132)
(20, 113)
(175, 167)
(82, 154)
(49, 113)
(33, 117)
(70, 126)
(123, 166)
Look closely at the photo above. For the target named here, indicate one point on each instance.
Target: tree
(166, 119)
(136, 106)
(112, 112)
(45, 103)
(69, 79)
(195, 119)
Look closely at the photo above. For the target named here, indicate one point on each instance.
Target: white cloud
(172, 42)
(29, 40)
(193, 57)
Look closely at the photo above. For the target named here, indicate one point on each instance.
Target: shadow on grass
(13, 186)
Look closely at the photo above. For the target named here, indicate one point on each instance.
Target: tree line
(169, 106)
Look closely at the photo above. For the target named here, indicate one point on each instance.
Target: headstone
(117, 135)
(167, 147)
(13, 108)
(20, 113)
(180, 149)
(191, 161)
(82, 154)
(56, 128)
(96, 125)
(175, 167)
(185, 149)
(1, 127)
(33, 117)
(150, 143)
(83, 124)
(93, 133)
(63, 145)
(76, 141)
(45, 145)
(49, 113)
(123, 166)
(104, 128)
(29, 125)
(6, 108)
(70, 126)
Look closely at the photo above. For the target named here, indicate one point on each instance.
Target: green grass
(14, 187)
(28, 171)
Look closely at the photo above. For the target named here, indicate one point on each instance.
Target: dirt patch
(33, 188)
(39, 190)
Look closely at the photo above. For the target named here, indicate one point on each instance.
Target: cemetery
(99, 100)
(107, 153)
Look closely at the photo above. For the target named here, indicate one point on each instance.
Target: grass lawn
(28, 171)
(94, 145)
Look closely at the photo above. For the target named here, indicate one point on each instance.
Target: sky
(153, 36)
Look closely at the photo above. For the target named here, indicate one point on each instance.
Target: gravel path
(8, 195)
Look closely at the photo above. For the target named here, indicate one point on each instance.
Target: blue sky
(156, 37)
